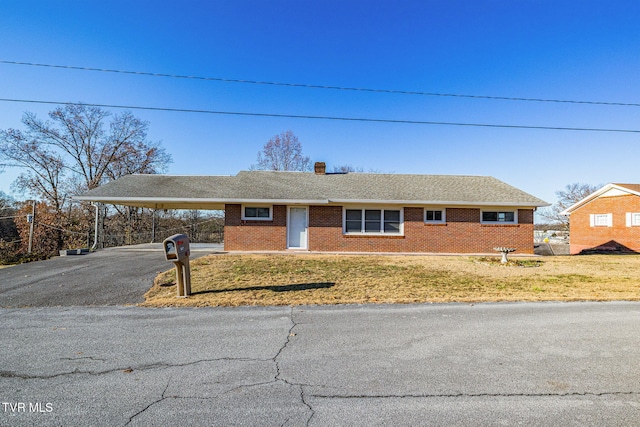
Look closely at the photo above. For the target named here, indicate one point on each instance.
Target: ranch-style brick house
(608, 220)
(344, 212)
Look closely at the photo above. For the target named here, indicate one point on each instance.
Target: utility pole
(31, 221)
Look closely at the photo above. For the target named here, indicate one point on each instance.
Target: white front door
(297, 228)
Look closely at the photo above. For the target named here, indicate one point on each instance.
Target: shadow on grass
(274, 288)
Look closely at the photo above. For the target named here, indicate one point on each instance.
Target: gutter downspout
(95, 235)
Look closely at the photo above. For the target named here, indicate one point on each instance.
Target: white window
(633, 219)
(434, 216)
(257, 213)
(601, 220)
(373, 221)
(499, 217)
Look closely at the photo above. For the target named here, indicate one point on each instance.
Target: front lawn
(283, 279)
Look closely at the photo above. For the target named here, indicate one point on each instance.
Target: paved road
(114, 276)
(570, 364)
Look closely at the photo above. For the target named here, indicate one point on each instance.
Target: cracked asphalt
(451, 364)
(66, 360)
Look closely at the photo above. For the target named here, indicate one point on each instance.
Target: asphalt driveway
(113, 276)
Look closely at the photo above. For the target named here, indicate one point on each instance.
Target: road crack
(125, 369)
(464, 395)
(279, 377)
(162, 397)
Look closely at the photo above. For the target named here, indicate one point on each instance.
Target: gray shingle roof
(212, 192)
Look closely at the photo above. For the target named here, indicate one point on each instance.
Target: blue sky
(567, 50)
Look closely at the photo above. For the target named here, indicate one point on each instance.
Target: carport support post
(153, 225)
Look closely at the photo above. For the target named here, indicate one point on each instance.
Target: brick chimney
(320, 168)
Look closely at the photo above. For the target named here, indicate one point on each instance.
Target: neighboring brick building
(354, 212)
(606, 221)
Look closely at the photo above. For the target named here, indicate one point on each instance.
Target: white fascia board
(194, 200)
(594, 195)
(433, 203)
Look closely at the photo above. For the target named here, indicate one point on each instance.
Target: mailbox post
(176, 249)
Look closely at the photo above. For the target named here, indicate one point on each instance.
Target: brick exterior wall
(462, 233)
(618, 237)
(241, 235)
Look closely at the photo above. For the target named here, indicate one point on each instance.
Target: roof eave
(191, 203)
(595, 195)
(218, 203)
(438, 203)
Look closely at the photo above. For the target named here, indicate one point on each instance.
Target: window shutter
(629, 223)
(592, 220)
(609, 220)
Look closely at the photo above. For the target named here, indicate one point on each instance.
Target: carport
(164, 192)
(160, 192)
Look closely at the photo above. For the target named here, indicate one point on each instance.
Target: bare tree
(349, 168)
(571, 194)
(79, 148)
(283, 152)
(346, 169)
(8, 214)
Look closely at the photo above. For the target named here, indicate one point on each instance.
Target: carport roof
(270, 187)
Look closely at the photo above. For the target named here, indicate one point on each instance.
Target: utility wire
(61, 229)
(312, 86)
(352, 119)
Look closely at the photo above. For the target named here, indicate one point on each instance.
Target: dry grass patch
(234, 280)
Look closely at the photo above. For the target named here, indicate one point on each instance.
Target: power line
(312, 86)
(310, 117)
(62, 229)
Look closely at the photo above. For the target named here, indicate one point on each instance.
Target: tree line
(79, 148)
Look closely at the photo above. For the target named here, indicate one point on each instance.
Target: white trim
(305, 244)
(234, 201)
(597, 194)
(159, 200)
(362, 220)
(435, 209)
(251, 218)
(443, 203)
(515, 216)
